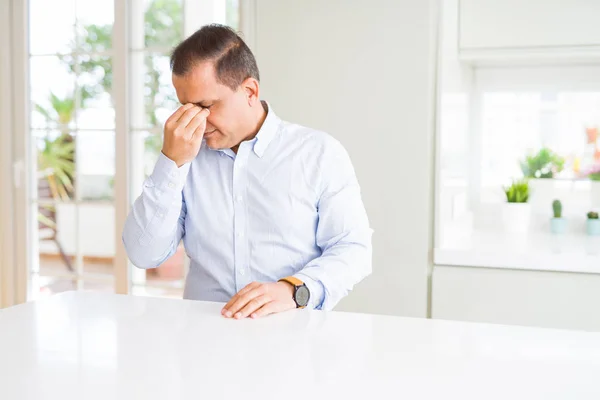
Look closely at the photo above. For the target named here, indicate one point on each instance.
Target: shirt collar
(267, 131)
(265, 134)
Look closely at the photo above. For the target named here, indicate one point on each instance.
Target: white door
(91, 91)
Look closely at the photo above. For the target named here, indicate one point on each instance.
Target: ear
(251, 89)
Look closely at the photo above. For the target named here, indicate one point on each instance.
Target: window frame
(18, 231)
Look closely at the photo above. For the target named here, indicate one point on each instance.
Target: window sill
(539, 251)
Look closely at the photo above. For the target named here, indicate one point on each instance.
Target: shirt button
(171, 185)
(239, 199)
(242, 272)
(240, 234)
(160, 215)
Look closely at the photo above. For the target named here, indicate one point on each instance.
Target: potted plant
(558, 225)
(56, 165)
(593, 224)
(516, 213)
(540, 169)
(543, 165)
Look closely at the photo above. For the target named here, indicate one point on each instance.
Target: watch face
(302, 296)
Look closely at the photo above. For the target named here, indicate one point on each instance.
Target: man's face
(230, 116)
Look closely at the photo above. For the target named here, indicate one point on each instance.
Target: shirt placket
(240, 219)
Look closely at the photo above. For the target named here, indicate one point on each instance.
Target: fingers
(187, 117)
(198, 134)
(252, 306)
(177, 114)
(258, 300)
(267, 309)
(197, 125)
(236, 297)
(243, 300)
(248, 288)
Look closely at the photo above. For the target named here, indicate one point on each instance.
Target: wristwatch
(301, 292)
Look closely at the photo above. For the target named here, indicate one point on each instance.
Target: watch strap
(292, 281)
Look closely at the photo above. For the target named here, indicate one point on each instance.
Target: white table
(101, 346)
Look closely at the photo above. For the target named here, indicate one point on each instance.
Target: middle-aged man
(270, 212)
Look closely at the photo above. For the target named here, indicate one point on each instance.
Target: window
(72, 137)
(72, 132)
(517, 123)
(496, 124)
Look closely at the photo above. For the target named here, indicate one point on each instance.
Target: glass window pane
(96, 164)
(152, 146)
(163, 23)
(97, 238)
(511, 127)
(57, 239)
(154, 90)
(95, 83)
(54, 159)
(516, 124)
(233, 14)
(51, 26)
(145, 148)
(53, 100)
(160, 95)
(94, 25)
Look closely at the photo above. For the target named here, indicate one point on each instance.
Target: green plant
(592, 215)
(544, 164)
(593, 173)
(557, 208)
(56, 164)
(517, 192)
(61, 111)
(163, 26)
(56, 157)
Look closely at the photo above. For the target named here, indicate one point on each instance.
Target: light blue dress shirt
(287, 204)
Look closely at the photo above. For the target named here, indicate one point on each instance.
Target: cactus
(592, 215)
(557, 208)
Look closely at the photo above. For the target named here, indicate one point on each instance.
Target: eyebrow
(203, 103)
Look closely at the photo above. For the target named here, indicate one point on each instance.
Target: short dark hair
(233, 60)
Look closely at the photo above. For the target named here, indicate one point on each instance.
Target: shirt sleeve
(155, 224)
(343, 234)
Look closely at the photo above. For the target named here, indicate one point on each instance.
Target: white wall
(505, 24)
(364, 72)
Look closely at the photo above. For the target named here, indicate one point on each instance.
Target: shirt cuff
(316, 289)
(167, 177)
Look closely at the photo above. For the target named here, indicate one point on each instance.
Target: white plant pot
(516, 217)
